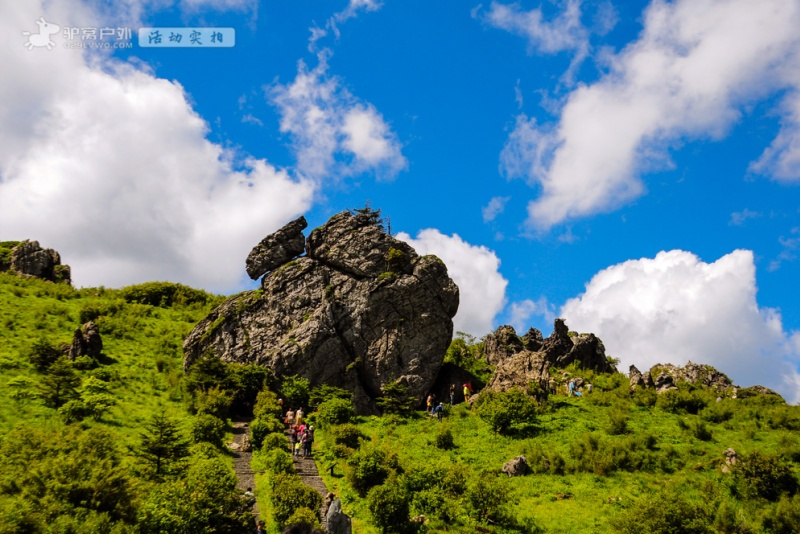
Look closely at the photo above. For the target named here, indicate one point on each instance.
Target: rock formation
(667, 376)
(516, 467)
(517, 366)
(359, 310)
(86, 342)
(28, 258)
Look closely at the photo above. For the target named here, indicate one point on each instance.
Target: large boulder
(277, 249)
(516, 467)
(360, 310)
(86, 341)
(667, 376)
(501, 344)
(519, 366)
(28, 258)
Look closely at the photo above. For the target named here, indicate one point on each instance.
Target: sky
(632, 167)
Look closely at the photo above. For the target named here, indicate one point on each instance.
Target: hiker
(298, 417)
(305, 440)
(290, 417)
(589, 388)
(439, 411)
(571, 388)
(469, 387)
(249, 498)
(292, 438)
(261, 528)
(452, 394)
(551, 386)
(280, 403)
(466, 393)
(310, 441)
(429, 404)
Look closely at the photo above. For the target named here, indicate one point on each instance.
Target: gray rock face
(559, 350)
(667, 376)
(516, 467)
(86, 342)
(276, 249)
(638, 379)
(28, 258)
(337, 522)
(501, 344)
(360, 310)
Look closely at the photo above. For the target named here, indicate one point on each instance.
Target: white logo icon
(46, 29)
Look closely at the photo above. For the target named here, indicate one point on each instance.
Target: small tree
(335, 412)
(503, 410)
(60, 384)
(43, 354)
(162, 446)
(395, 399)
(295, 392)
(388, 504)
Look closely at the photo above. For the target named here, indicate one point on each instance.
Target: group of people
(573, 390)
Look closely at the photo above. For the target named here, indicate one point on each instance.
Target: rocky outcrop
(516, 467)
(86, 342)
(501, 345)
(359, 310)
(639, 380)
(561, 349)
(336, 521)
(28, 258)
(668, 376)
(277, 249)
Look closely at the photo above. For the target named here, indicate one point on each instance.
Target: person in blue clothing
(439, 411)
(571, 387)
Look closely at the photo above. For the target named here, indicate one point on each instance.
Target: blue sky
(631, 166)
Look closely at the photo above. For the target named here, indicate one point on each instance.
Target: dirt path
(241, 458)
(306, 468)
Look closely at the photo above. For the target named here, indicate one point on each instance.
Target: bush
(43, 354)
(275, 440)
(645, 397)
(325, 392)
(304, 516)
(335, 412)
(164, 294)
(619, 423)
(503, 410)
(388, 504)
(368, 468)
(261, 428)
(208, 429)
(784, 518)
(295, 392)
(444, 439)
(214, 402)
(289, 494)
(681, 401)
(247, 381)
(395, 399)
(267, 405)
(665, 512)
(278, 461)
(764, 476)
(487, 499)
(348, 435)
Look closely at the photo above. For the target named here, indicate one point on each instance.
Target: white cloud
(110, 166)
(790, 247)
(475, 270)
(693, 68)
(564, 32)
(738, 218)
(333, 133)
(675, 308)
(494, 208)
(521, 312)
(351, 11)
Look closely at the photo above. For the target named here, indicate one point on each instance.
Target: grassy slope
(138, 340)
(592, 497)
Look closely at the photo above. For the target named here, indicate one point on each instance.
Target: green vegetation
(102, 445)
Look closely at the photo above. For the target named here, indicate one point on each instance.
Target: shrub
(762, 475)
(487, 499)
(645, 397)
(208, 429)
(325, 392)
(503, 410)
(784, 518)
(335, 412)
(680, 401)
(665, 512)
(369, 467)
(278, 461)
(84, 363)
(304, 516)
(395, 399)
(295, 392)
(164, 294)
(388, 504)
(348, 435)
(444, 439)
(274, 440)
(73, 411)
(60, 384)
(43, 354)
(719, 412)
(214, 402)
(619, 423)
(289, 494)
(701, 431)
(247, 381)
(261, 428)
(266, 405)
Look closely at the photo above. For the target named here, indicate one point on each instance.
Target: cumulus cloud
(334, 133)
(475, 270)
(111, 166)
(675, 308)
(521, 312)
(694, 67)
(494, 208)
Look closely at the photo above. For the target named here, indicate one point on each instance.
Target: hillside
(608, 461)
